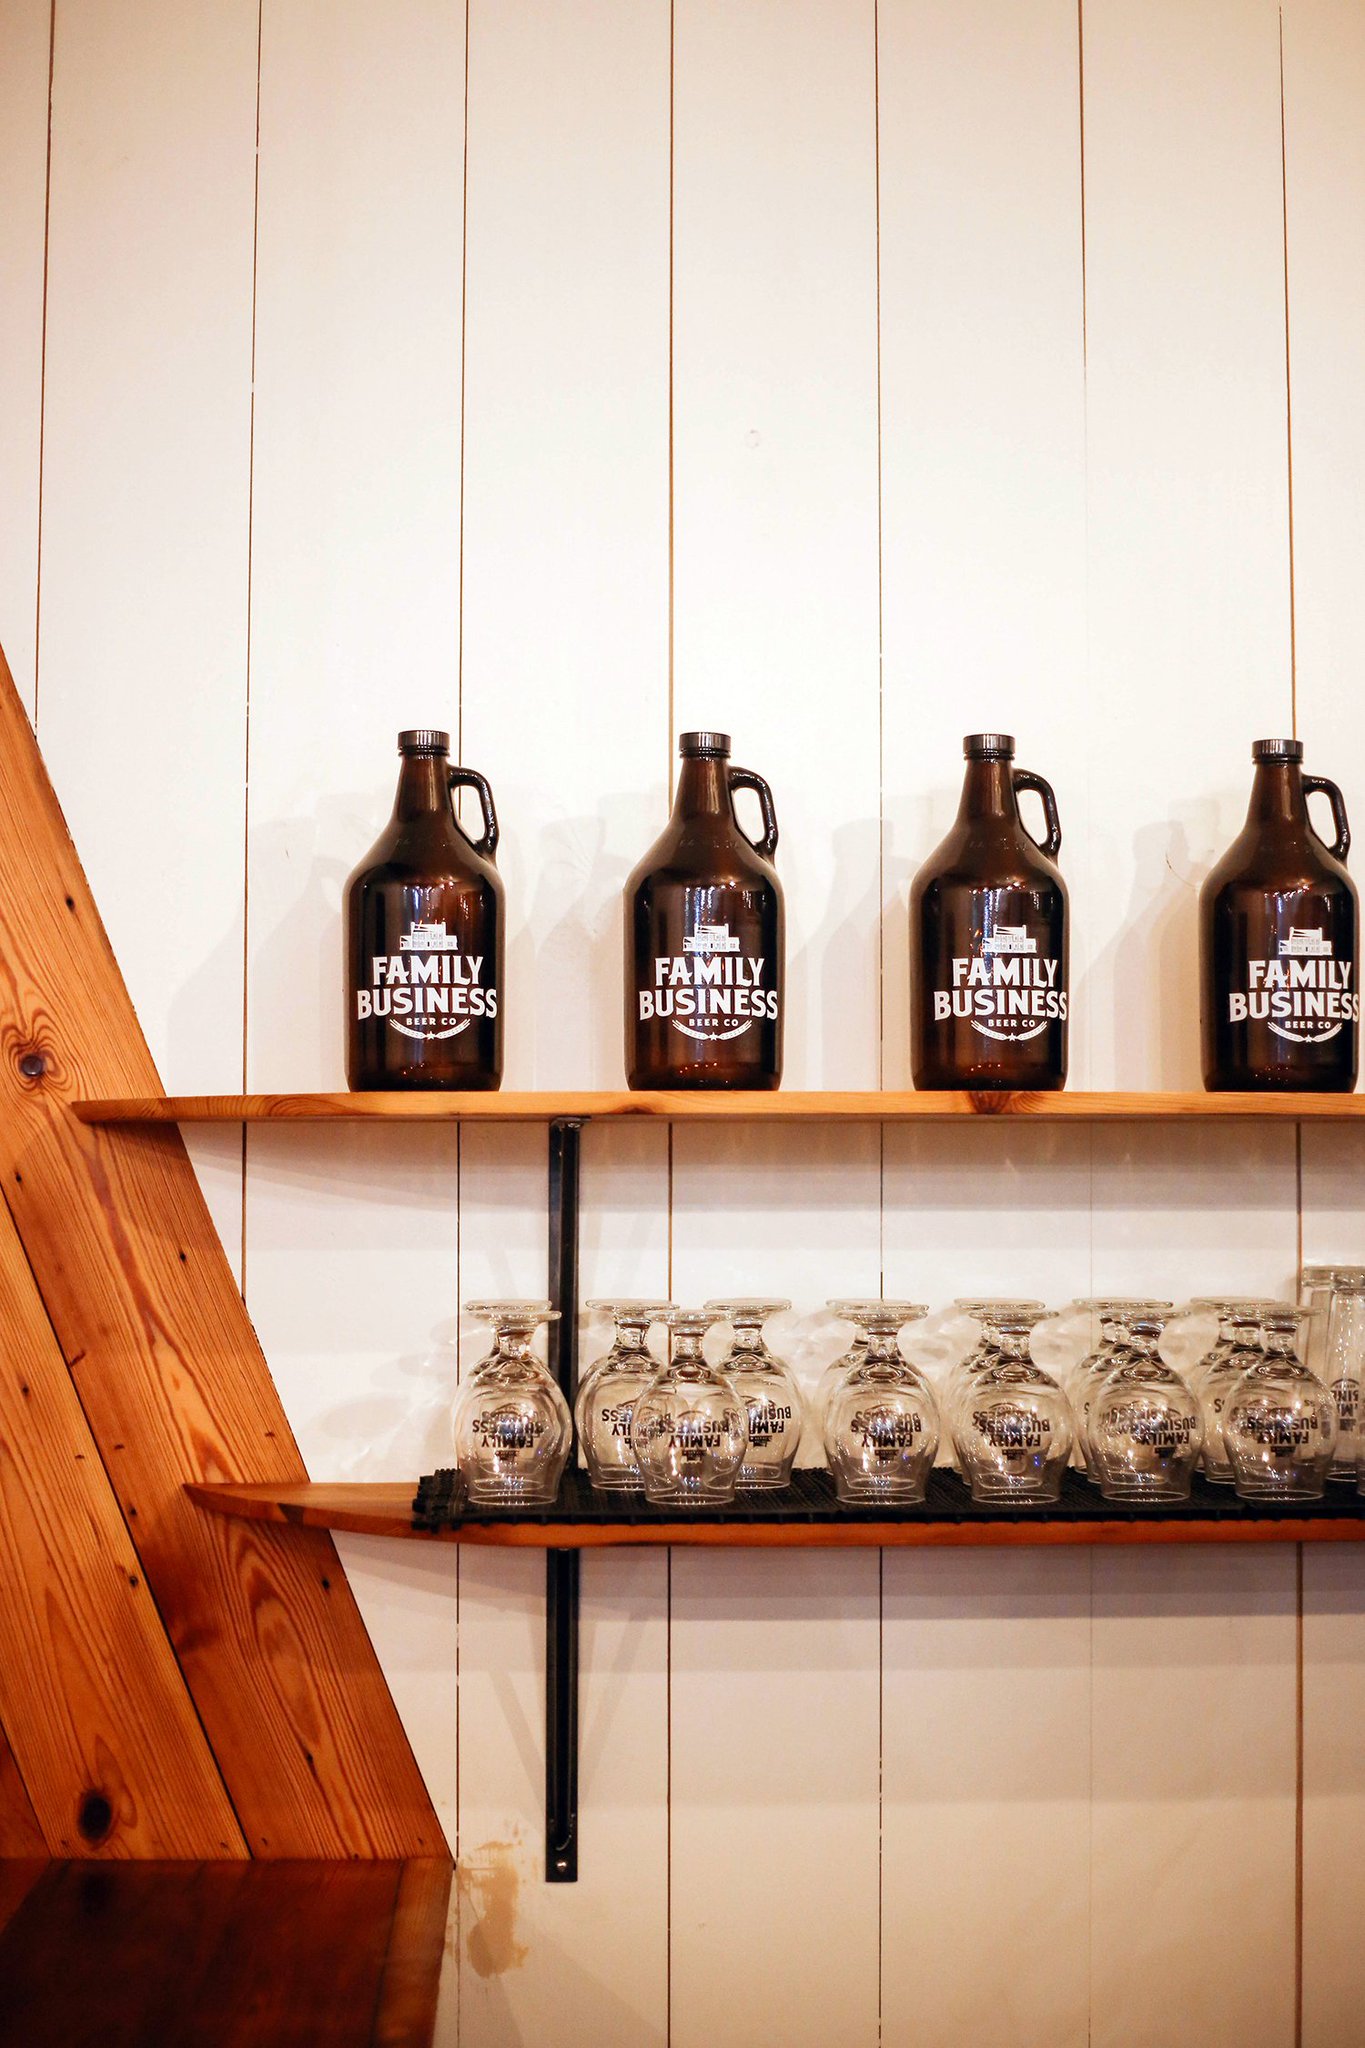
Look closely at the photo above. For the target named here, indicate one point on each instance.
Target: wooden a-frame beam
(170, 1376)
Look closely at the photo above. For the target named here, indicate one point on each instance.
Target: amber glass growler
(1279, 926)
(704, 936)
(424, 936)
(989, 939)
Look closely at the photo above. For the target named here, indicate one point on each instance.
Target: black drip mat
(811, 1498)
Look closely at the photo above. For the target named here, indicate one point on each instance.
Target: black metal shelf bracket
(562, 1566)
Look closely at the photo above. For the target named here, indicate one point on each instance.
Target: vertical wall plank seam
(42, 361)
(464, 358)
(1298, 1128)
(668, 784)
(250, 569)
(1298, 1797)
(881, 555)
(672, 139)
(1090, 836)
(459, 1139)
(1288, 408)
(1080, 85)
(883, 913)
(459, 1547)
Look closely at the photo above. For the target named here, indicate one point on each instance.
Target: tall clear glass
(1012, 1424)
(767, 1386)
(1315, 1294)
(1279, 1420)
(882, 1421)
(1145, 1427)
(605, 1409)
(690, 1432)
(511, 1424)
(1342, 1359)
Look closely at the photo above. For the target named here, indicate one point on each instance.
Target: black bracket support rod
(562, 1566)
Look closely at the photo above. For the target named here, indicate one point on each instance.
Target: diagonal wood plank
(18, 1876)
(103, 1729)
(171, 1376)
(20, 1834)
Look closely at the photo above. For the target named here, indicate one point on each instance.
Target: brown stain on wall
(489, 1883)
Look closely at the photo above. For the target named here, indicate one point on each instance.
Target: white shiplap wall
(850, 375)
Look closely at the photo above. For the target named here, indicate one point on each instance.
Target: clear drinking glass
(511, 1424)
(767, 1387)
(1013, 1425)
(881, 1424)
(1342, 1358)
(1219, 1307)
(1238, 1346)
(605, 1408)
(1279, 1420)
(1145, 1427)
(839, 1367)
(982, 1310)
(690, 1432)
(1315, 1294)
(1112, 1312)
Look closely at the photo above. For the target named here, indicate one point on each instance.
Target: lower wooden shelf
(805, 1518)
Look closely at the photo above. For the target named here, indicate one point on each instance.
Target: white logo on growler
(1303, 995)
(712, 990)
(1005, 990)
(428, 988)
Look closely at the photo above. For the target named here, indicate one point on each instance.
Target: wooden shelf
(386, 1510)
(824, 1106)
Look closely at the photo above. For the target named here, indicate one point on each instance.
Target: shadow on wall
(845, 941)
(296, 1036)
(568, 936)
(898, 872)
(401, 1427)
(1151, 965)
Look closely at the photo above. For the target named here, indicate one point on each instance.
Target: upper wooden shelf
(827, 1106)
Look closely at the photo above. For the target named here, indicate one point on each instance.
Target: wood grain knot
(993, 1101)
(96, 1816)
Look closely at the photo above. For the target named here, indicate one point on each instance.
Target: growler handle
(470, 778)
(745, 778)
(1341, 845)
(1024, 780)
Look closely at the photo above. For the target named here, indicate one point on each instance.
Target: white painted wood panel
(1192, 1816)
(986, 1774)
(146, 513)
(983, 452)
(25, 48)
(1187, 1840)
(351, 1239)
(1187, 493)
(1324, 83)
(1188, 641)
(774, 1663)
(986, 1682)
(775, 471)
(142, 695)
(564, 705)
